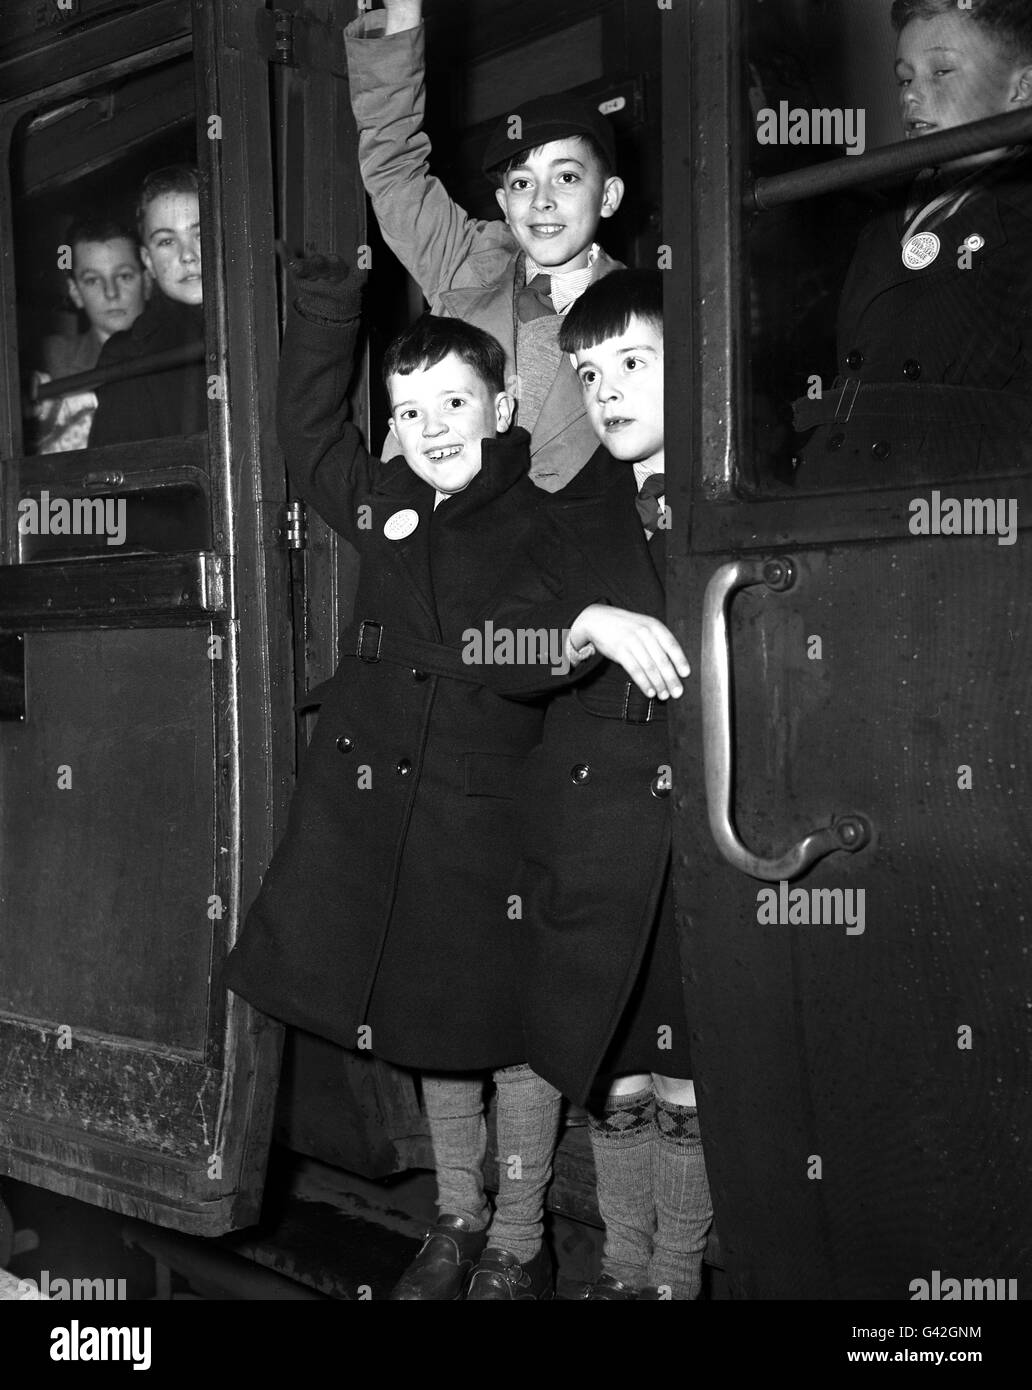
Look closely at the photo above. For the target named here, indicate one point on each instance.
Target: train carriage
(850, 760)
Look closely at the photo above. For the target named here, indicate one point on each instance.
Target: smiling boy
(553, 161)
(172, 402)
(381, 921)
(935, 319)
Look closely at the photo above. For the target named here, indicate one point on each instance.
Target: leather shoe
(500, 1278)
(606, 1289)
(441, 1269)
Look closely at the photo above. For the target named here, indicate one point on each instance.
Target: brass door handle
(850, 832)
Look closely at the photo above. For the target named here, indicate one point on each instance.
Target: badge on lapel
(921, 250)
(401, 524)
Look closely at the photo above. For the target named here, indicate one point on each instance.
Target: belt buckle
(359, 649)
(625, 714)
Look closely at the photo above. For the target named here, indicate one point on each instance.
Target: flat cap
(548, 118)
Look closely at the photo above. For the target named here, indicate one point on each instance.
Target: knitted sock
(528, 1123)
(621, 1140)
(684, 1211)
(455, 1108)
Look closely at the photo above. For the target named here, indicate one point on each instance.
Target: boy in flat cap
(553, 160)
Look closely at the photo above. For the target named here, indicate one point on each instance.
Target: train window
(107, 233)
(819, 85)
(800, 60)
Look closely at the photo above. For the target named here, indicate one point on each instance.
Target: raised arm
(327, 460)
(438, 243)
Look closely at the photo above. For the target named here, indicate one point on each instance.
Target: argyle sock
(528, 1123)
(621, 1141)
(455, 1108)
(684, 1211)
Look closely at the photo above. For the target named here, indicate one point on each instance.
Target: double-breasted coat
(600, 972)
(465, 266)
(934, 364)
(387, 903)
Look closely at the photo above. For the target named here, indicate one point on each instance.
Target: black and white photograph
(450, 852)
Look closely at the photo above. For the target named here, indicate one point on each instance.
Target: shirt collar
(566, 285)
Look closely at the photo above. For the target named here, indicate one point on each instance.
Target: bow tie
(647, 501)
(534, 300)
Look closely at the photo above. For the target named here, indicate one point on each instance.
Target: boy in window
(935, 320)
(172, 401)
(108, 284)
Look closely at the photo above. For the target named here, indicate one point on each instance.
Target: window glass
(110, 315)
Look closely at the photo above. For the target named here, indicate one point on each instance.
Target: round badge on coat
(974, 242)
(921, 250)
(401, 524)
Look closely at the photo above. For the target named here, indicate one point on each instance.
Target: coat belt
(912, 404)
(373, 642)
(624, 702)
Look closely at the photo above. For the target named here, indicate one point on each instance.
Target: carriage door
(852, 759)
(146, 731)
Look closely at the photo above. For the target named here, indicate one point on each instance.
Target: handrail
(121, 371)
(890, 162)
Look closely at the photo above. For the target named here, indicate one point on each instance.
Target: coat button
(835, 443)
(882, 449)
(418, 675)
(911, 369)
(854, 360)
(660, 785)
(404, 767)
(580, 774)
(345, 744)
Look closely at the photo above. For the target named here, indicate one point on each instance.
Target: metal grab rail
(163, 361)
(892, 161)
(850, 832)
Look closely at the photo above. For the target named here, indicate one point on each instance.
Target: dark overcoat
(600, 971)
(160, 404)
(942, 355)
(387, 903)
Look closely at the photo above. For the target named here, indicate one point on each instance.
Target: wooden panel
(83, 869)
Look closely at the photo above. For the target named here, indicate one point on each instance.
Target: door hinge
(281, 39)
(295, 529)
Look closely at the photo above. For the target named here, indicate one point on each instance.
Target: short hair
(606, 308)
(1008, 21)
(516, 161)
(429, 341)
(173, 178)
(91, 227)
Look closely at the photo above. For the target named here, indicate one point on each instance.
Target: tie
(534, 301)
(652, 489)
